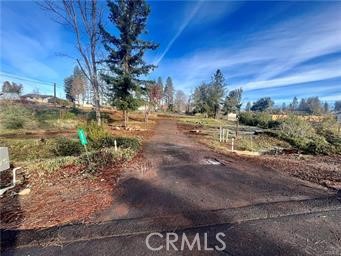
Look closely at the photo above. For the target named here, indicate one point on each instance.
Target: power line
(40, 82)
(25, 78)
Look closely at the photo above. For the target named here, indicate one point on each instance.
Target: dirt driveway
(181, 175)
(184, 188)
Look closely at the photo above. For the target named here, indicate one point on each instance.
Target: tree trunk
(97, 101)
(125, 114)
(146, 117)
(237, 123)
(146, 113)
(237, 128)
(216, 110)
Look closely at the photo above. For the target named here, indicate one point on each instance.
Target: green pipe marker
(84, 142)
(82, 137)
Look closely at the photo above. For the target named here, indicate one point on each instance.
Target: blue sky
(276, 49)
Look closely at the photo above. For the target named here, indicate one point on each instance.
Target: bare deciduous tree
(78, 89)
(83, 17)
(153, 98)
(13, 87)
(180, 101)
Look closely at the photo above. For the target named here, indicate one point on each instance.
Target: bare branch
(83, 19)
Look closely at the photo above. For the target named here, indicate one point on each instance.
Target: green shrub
(247, 118)
(301, 134)
(274, 124)
(94, 132)
(132, 143)
(100, 157)
(318, 145)
(263, 120)
(122, 142)
(262, 142)
(76, 111)
(91, 116)
(52, 164)
(294, 126)
(105, 157)
(27, 149)
(68, 115)
(59, 101)
(66, 147)
(47, 114)
(14, 116)
(329, 129)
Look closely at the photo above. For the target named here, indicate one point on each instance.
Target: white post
(232, 144)
(115, 144)
(227, 135)
(220, 134)
(14, 176)
(251, 142)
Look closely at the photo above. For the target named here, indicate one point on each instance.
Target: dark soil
(319, 169)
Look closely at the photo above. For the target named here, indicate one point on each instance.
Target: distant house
(33, 97)
(9, 96)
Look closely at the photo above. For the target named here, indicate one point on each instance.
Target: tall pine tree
(169, 94)
(125, 53)
(232, 101)
(160, 85)
(248, 106)
(216, 92)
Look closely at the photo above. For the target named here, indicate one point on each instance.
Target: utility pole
(54, 94)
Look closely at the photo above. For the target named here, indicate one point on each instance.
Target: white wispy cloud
(326, 72)
(273, 57)
(299, 40)
(203, 12)
(182, 27)
(331, 98)
(29, 45)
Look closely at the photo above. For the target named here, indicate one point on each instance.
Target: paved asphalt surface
(185, 191)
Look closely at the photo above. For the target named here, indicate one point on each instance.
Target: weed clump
(301, 134)
(66, 147)
(262, 120)
(14, 116)
(94, 132)
(121, 142)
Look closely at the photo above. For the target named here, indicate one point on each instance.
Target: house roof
(35, 95)
(9, 96)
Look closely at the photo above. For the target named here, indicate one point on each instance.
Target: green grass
(53, 154)
(260, 143)
(20, 119)
(27, 149)
(206, 122)
(209, 135)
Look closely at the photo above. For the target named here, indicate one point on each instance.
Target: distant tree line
(164, 97)
(120, 73)
(12, 87)
(261, 105)
(310, 105)
(212, 98)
